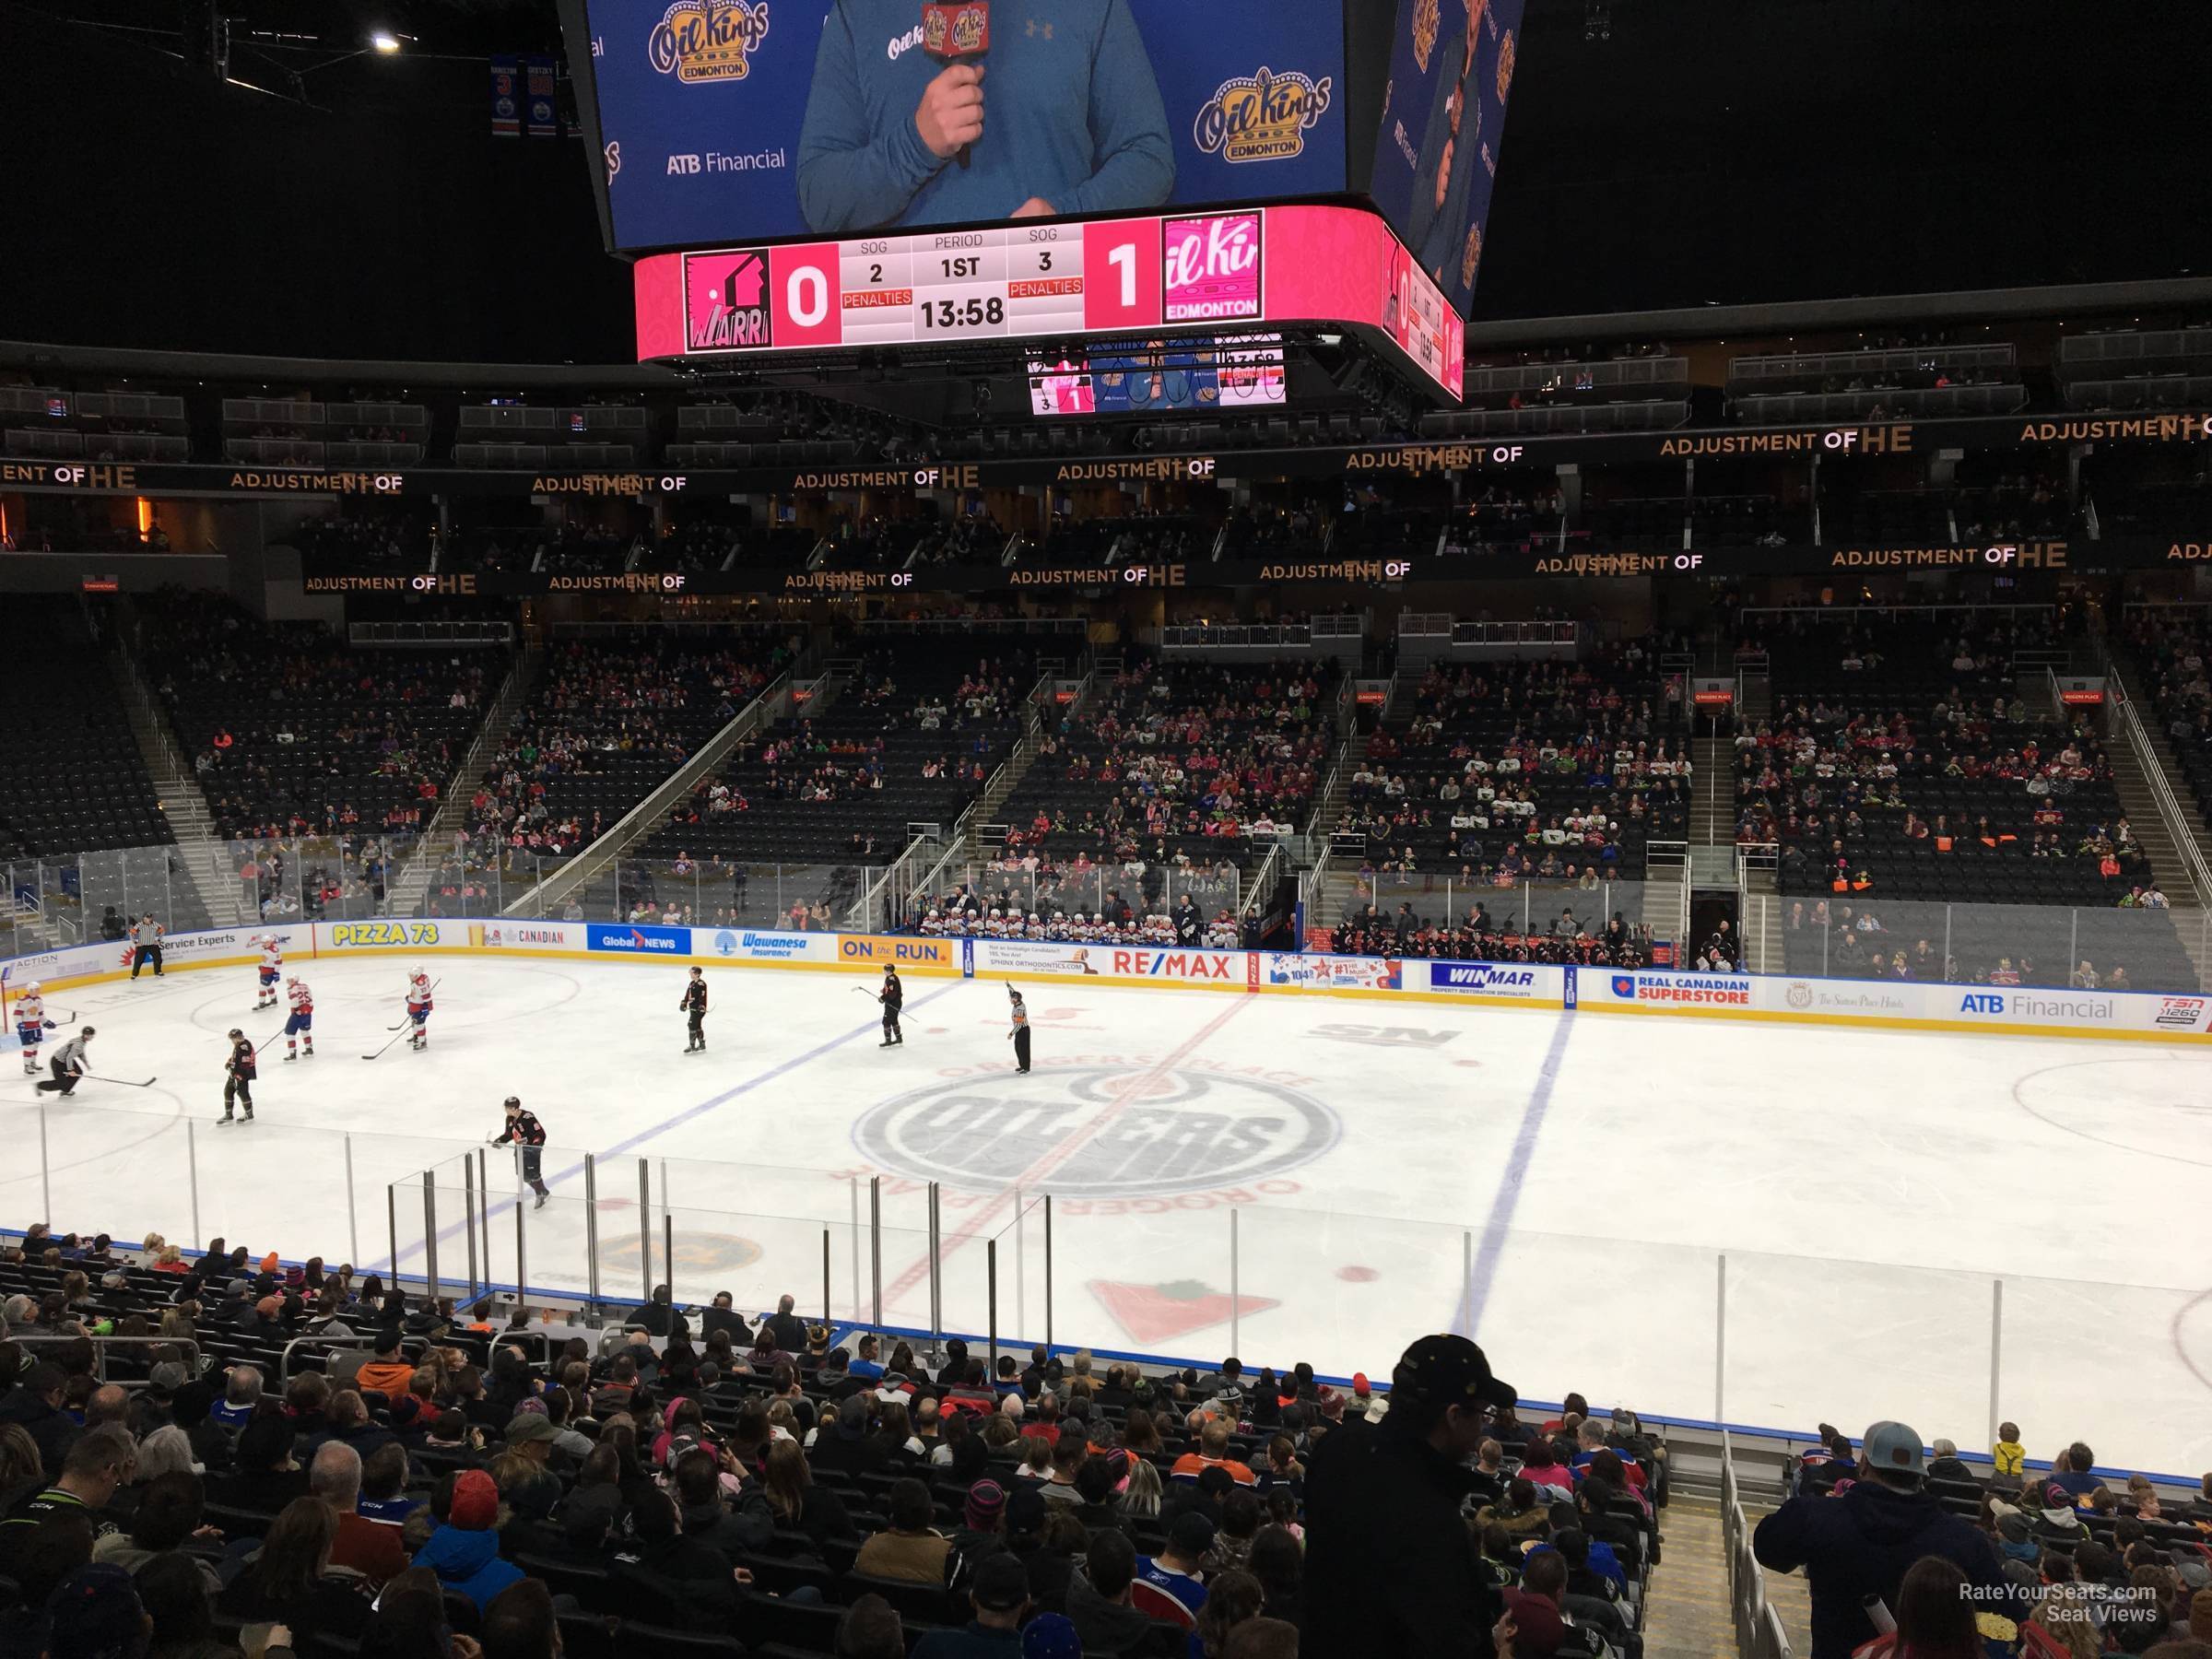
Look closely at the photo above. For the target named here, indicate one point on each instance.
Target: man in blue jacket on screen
(1062, 115)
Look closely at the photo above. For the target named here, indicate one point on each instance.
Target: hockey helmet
(514, 1102)
(236, 1033)
(31, 989)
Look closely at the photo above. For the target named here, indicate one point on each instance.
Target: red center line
(1052, 1156)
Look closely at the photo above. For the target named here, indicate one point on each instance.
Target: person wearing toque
(999, 1593)
(1857, 1547)
(1391, 1567)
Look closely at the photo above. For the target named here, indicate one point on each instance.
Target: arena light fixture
(384, 41)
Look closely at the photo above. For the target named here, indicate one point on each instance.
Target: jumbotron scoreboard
(1254, 267)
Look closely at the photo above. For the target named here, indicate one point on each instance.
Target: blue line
(685, 1116)
(1500, 1225)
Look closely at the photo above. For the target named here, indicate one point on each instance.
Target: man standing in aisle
(69, 1063)
(893, 997)
(1391, 1568)
(1020, 1030)
(527, 1133)
(695, 1005)
(146, 944)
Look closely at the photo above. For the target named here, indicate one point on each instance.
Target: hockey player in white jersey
(419, 1009)
(32, 1026)
(298, 1026)
(272, 969)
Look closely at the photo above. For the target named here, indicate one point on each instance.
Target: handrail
(100, 1345)
(359, 1339)
(1259, 883)
(535, 899)
(2122, 713)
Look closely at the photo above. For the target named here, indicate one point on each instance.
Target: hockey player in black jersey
(238, 1072)
(695, 1005)
(527, 1133)
(893, 997)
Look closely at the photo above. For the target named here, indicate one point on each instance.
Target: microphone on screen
(957, 33)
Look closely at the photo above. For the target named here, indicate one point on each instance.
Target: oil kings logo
(708, 40)
(1427, 25)
(1263, 116)
(1136, 1132)
(955, 30)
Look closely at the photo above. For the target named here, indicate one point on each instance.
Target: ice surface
(1569, 1184)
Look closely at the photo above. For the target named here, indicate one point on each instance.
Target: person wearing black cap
(893, 997)
(1000, 1592)
(1020, 1030)
(1391, 1567)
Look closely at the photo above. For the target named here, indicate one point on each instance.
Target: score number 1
(1125, 254)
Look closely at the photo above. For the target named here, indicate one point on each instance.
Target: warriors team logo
(1471, 257)
(1263, 116)
(726, 301)
(1427, 23)
(958, 30)
(708, 40)
(1109, 1131)
(1505, 65)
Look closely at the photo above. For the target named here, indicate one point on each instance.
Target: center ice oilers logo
(1103, 1132)
(1263, 116)
(708, 40)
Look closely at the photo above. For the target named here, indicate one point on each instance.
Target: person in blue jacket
(465, 1550)
(1061, 116)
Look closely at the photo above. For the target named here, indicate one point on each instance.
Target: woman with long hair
(1231, 1597)
(1141, 1501)
(1934, 1619)
(290, 1579)
(1140, 1433)
(21, 1472)
(797, 1504)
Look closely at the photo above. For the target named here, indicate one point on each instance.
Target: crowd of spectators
(1859, 781)
(604, 722)
(296, 732)
(1036, 913)
(1179, 758)
(1478, 937)
(435, 1478)
(1909, 1549)
(1550, 769)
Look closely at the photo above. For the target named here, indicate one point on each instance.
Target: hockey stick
(388, 1042)
(96, 1077)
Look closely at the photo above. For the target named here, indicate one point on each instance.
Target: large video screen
(1451, 71)
(764, 120)
(1193, 375)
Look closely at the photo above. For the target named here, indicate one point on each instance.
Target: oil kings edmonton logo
(708, 40)
(1263, 116)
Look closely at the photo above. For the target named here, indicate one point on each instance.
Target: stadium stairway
(1712, 815)
(405, 896)
(183, 804)
(2152, 829)
(1687, 1607)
